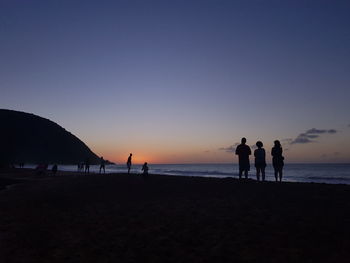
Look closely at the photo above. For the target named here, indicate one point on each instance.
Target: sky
(183, 81)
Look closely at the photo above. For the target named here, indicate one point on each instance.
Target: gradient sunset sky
(183, 81)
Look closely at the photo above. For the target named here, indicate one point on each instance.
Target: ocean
(317, 173)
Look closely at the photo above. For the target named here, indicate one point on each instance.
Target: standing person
(102, 165)
(145, 169)
(54, 169)
(243, 151)
(260, 161)
(87, 165)
(277, 160)
(128, 163)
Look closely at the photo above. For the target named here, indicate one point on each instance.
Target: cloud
(309, 135)
(317, 131)
(230, 149)
(301, 139)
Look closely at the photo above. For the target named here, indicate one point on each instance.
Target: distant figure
(21, 164)
(128, 163)
(81, 167)
(102, 165)
(87, 165)
(145, 169)
(54, 169)
(260, 161)
(277, 160)
(243, 151)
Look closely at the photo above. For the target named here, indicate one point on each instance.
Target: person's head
(243, 140)
(277, 143)
(145, 163)
(101, 157)
(259, 144)
(130, 154)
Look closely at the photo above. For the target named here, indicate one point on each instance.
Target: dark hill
(29, 138)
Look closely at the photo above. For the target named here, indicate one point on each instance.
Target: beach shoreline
(130, 218)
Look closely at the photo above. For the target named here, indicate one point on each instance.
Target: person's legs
(280, 173)
(240, 173)
(246, 173)
(276, 174)
(258, 173)
(263, 173)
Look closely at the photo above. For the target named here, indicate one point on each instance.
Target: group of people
(85, 166)
(144, 166)
(243, 151)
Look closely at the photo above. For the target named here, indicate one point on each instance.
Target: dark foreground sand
(120, 218)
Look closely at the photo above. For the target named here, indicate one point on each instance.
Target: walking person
(260, 161)
(277, 160)
(102, 165)
(243, 151)
(54, 169)
(128, 163)
(87, 166)
(144, 169)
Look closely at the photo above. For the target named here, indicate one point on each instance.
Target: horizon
(177, 83)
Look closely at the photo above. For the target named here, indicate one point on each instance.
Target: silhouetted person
(54, 169)
(145, 169)
(243, 151)
(277, 160)
(87, 165)
(260, 161)
(128, 163)
(102, 165)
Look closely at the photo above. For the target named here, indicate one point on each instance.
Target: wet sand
(121, 218)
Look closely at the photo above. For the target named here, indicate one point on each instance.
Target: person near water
(102, 165)
(54, 169)
(277, 160)
(87, 165)
(260, 161)
(144, 169)
(128, 163)
(243, 151)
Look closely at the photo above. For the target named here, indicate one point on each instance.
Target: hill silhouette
(29, 138)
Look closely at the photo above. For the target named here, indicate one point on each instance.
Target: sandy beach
(121, 218)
